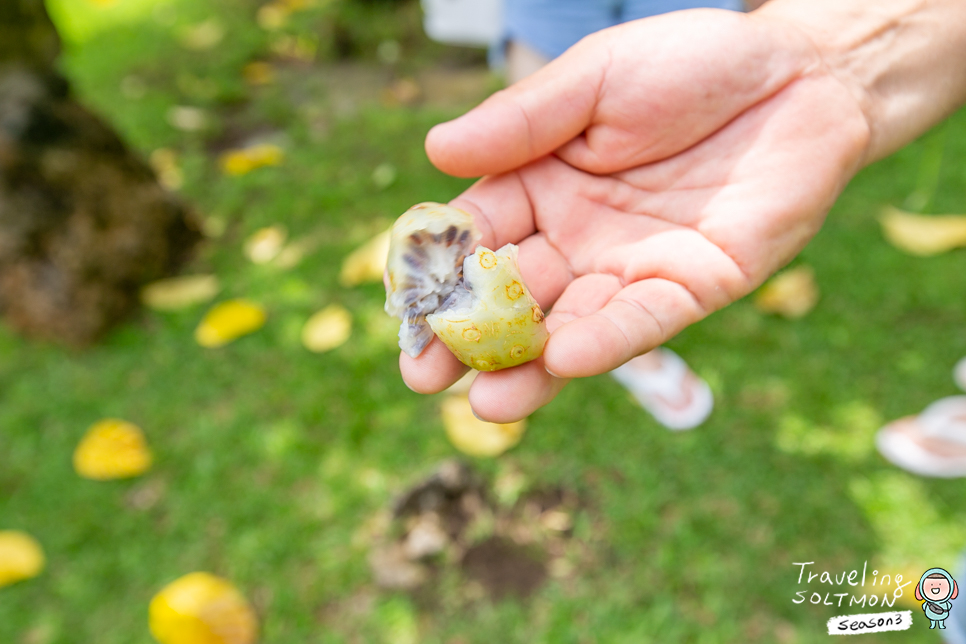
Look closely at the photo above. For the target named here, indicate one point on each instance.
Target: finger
(637, 319)
(545, 270)
(501, 209)
(584, 296)
(513, 394)
(672, 80)
(434, 370)
(524, 122)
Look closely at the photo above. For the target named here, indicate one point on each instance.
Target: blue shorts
(553, 26)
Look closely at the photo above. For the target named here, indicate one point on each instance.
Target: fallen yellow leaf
(21, 557)
(272, 16)
(462, 386)
(202, 36)
(201, 608)
(164, 162)
(181, 292)
(258, 73)
(228, 321)
(243, 161)
(367, 263)
(327, 329)
(112, 449)
(476, 437)
(792, 293)
(265, 244)
(923, 235)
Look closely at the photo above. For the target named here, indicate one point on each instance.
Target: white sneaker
(670, 391)
(471, 23)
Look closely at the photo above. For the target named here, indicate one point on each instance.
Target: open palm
(651, 175)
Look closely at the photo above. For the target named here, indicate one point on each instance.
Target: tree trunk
(83, 222)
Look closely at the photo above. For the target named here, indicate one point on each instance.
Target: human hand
(653, 174)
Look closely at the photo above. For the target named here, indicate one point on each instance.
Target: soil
(83, 222)
(504, 568)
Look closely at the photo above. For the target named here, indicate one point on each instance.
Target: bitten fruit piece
(200, 608)
(477, 304)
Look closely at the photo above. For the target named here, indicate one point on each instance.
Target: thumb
(526, 121)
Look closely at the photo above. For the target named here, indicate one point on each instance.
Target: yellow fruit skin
(201, 608)
(112, 449)
(21, 557)
(506, 327)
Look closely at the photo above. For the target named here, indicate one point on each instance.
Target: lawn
(271, 461)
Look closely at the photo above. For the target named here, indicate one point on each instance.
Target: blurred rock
(393, 570)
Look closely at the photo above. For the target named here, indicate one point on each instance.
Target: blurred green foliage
(269, 459)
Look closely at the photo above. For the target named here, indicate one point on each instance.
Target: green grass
(269, 459)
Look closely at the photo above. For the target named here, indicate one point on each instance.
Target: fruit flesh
(477, 304)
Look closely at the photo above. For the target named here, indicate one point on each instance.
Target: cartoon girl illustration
(936, 588)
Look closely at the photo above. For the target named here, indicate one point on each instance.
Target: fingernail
(552, 373)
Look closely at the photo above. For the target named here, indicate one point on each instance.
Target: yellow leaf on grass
(272, 16)
(21, 557)
(202, 36)
(181, 292)
(164, 162)
(923, 235)
(112, 449)
(201, 608)
(265, 244)
(243, 161)
(367, 263)
(258, 73)
(228, 321)
(476, 437)
(792, 293)
(327, 329)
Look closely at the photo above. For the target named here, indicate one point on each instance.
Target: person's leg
(956, 622)
(521, 61)
(537, 31)
(636, 9)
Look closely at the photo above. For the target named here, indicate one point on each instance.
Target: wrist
(901, 60)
